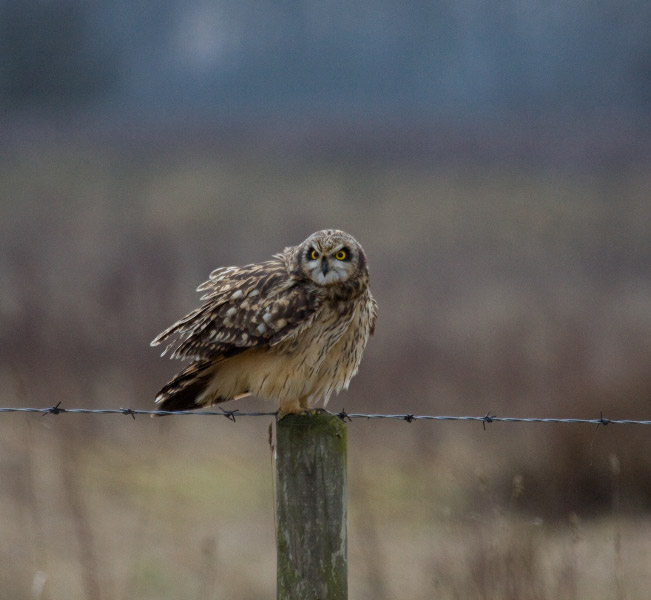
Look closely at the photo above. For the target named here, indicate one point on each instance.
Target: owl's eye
(314, 254)
(341, 255)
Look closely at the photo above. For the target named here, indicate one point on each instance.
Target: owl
(292, 329)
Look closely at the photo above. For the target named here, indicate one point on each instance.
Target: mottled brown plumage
(291, 329)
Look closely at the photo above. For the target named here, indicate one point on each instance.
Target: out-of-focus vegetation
(520, 291)
(494, 159)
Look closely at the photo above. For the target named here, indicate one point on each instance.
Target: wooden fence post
(311, 489)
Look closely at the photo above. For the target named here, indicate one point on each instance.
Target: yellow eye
(341, 255)
(314, 255)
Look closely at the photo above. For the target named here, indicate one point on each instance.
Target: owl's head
(331, 257)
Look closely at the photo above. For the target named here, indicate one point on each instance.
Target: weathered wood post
(311, 490)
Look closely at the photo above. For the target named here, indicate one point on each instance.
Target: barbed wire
(343, 415)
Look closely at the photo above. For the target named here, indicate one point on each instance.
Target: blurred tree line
(232, 58)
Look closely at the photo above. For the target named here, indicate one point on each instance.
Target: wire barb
(488, 418)
(54, 410)
(343, 415)
(602, 421)
(230, 414)
(128, 411)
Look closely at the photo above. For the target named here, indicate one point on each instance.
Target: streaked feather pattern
(260, 320)
(255, 306)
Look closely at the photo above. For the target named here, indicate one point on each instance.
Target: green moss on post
(311, 490)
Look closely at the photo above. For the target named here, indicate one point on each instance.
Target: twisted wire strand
(407, 417)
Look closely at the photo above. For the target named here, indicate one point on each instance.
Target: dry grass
(158, 517)
(519, 293)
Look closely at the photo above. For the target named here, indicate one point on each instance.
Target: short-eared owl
(291, 329)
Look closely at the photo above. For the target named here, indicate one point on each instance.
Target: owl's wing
(245, 307)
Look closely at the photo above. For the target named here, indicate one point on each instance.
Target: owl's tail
(189, 388)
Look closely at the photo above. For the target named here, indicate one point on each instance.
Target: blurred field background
(495, 162)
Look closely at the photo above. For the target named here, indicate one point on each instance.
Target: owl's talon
(310, 412)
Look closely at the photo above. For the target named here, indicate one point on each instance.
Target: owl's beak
(324, 266)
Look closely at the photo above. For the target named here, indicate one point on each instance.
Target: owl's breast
(310, 348)
(321, 360)
(341, 347)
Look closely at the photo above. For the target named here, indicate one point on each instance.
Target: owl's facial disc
(328, 266)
